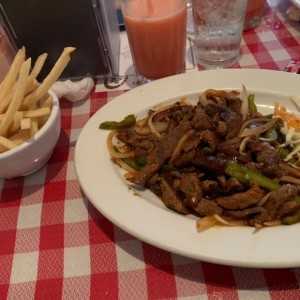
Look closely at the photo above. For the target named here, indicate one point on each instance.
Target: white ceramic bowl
(34, 153)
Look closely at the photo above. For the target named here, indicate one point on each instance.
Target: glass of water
(218, 28)
(190, 22)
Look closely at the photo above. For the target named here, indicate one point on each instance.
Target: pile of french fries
(25, 104)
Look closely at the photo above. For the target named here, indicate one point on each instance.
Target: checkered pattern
(55, 245)
(274, 43)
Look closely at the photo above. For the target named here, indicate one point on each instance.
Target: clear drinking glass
(156, 32)
(190, 22)
(218, 26)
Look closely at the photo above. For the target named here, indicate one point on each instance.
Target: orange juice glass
(254, 13)
(156, 32)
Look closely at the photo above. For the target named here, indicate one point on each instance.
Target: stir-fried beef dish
(219, 158)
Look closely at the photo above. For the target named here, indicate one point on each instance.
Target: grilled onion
(260, 129)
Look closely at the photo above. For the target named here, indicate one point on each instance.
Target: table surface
(54, 244)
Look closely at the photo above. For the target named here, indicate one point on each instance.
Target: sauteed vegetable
(220, 160)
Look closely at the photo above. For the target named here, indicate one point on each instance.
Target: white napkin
(73, 90)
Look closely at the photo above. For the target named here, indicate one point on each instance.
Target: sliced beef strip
(242, 200)
(190, 185)
(185, 158)
(177, 113)
(288, 207)
(230, 186)
(170, 198)
(230, 149)
(208, 207)
(127, 136)
(244, 157)
(209, 188)
(213, 110)
(142, 144)
(202, 121)
(266, 155)
(234, 123)
(221, 129)
(183, 113)
(245, 213)
(194, 152)
(254, 166)
(209, 139)
(222, 180)
(220, 97)
(232, 119)
(234, 104)
(211, 163)
(192, 142)
(162, 151)
(277, 198)
(275, 201)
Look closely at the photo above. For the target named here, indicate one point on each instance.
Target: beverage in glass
(156, 32)
(254, 13)
(218, 26)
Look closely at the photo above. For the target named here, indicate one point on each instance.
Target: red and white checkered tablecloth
(55, 245)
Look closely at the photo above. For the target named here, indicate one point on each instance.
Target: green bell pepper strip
(127, 122)
(131, 163)
(283, 153)
(251, 104)
(272, 134)
(141, 161)
(244, 175)
(269, 116)
(136, 163)
(292, 219)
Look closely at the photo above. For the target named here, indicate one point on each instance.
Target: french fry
(34, 128)
(25, 104)
(17, 98)
(53, 76)
(6, 143)
(16, 123)
(25, 123)
(20, 137)
(38, 66)
(3, 149)
(31, 85)
(12, 74)
(34, 113)
(48, 102)
(39, 112)
(5, 102)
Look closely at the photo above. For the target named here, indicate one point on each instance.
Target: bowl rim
(51, 119)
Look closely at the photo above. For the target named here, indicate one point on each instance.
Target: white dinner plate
(296, 3)
(142, 213)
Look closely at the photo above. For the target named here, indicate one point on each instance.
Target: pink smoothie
(157, 36)
(254, 9)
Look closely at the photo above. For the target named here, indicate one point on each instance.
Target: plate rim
(251, 74)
